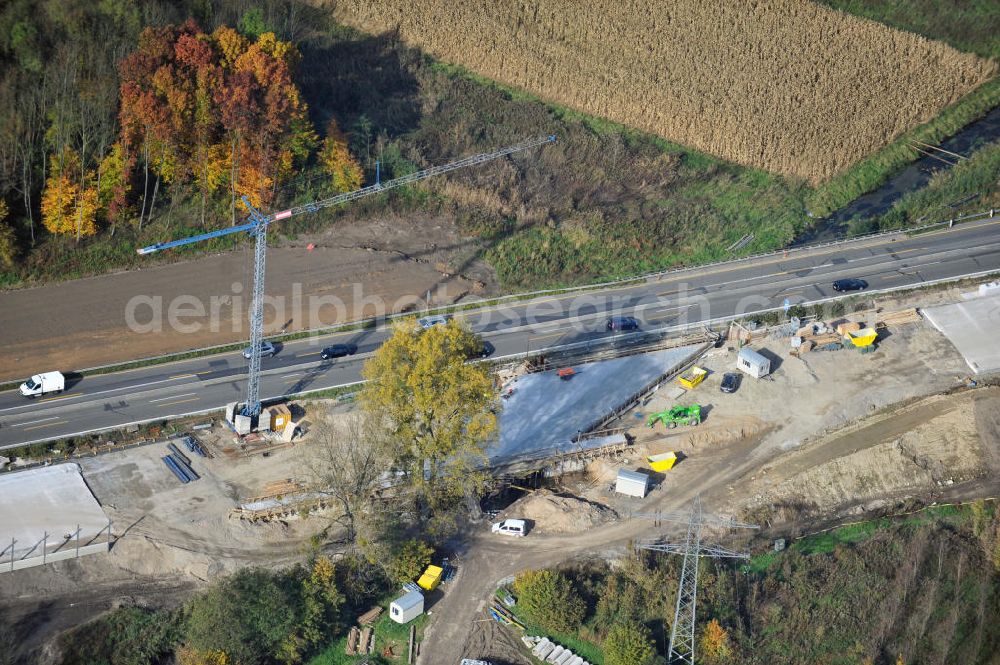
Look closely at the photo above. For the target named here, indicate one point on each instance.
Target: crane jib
(316, 206)
(257, 225)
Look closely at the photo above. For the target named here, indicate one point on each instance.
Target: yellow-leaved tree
(69, 207)
(188, 656)
(629, 643)
(345, 172)
(715, 646)
(320, 612)
(435, 408)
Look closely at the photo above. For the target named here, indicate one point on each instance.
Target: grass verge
(387, 633)
(827, 541)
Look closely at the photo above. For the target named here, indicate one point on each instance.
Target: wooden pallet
(899, 318)
(353, 637)
(370, 616)
(276, 488)
(822, 340)
(367, 640)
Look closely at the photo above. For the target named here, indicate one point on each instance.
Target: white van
(511, 527)
(39, 384)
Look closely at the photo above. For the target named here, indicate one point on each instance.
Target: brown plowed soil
(81, 324)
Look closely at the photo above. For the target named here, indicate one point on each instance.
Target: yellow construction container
(863, 337)
(662, 462)
(693, 377)
(431, 578)
(279, 416)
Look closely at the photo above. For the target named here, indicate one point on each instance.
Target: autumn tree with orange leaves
(715, 646)
(215, 110)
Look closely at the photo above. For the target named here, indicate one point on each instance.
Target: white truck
(47, 382)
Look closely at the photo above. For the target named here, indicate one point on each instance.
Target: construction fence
(72, 543)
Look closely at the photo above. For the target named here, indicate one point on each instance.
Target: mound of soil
(554, 513)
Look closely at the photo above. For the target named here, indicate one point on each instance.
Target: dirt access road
(82, 323)
(731, 482)
(455, 632)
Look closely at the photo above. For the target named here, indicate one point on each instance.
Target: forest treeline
(919, 589)
(605, 201)
(110, 102)
(893, 591)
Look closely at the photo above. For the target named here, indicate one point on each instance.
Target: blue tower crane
(258, 222)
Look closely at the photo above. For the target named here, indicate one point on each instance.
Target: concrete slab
(546, 412)
(972, 326)
(51, 499)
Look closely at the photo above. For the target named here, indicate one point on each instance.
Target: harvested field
(784, 85)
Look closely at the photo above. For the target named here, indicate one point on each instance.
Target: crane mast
(258, 222)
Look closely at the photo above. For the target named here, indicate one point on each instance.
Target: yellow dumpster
(693, 377)
(662, 462)
(863, 337)
(431, 578)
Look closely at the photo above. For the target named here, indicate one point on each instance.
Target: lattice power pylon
(682, 631)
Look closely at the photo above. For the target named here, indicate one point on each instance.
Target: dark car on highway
(623, 323)
(730, 382)
(484, 350)
(338, 351)
(850, 285)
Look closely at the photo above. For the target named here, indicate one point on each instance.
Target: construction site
(371, 333)
(824, 427)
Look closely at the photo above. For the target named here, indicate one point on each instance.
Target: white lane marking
(100, 392)
(32, 422)
(58, 422)
(657, 308)
(171, 397)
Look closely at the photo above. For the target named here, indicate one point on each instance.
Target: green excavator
(683, 415)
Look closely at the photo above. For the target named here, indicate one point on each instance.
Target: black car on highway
(850, 284)
(623, 323)
(338, 351)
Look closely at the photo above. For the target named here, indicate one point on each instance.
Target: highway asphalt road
(94, 403)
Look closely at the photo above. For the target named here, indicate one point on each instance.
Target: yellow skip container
(662, 462)
(693, 377)
(863, 337)
(431, 578)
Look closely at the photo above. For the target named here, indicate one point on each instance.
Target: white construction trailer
(632, 483)
(753, 363)
(407, 607)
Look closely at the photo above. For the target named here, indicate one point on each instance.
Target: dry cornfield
(785, 85)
